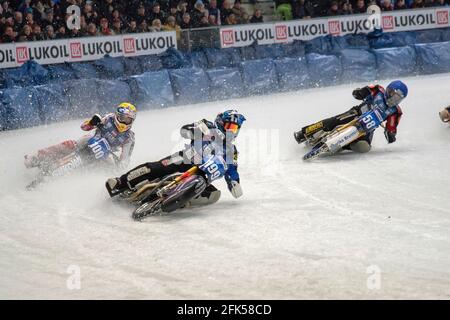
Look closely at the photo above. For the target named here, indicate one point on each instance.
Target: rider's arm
(366, 92)
(92, 123)
(232, 177)
(200, 128)
(392, 122)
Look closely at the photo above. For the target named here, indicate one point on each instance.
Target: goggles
(125, 119)
(231, 126)
(394, 97)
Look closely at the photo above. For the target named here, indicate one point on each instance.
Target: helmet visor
(394, 97)
(231, 126)
(125, 118)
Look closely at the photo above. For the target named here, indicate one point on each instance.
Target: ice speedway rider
(373, 96)
(114, 127)
(205, 138)
(445, 114)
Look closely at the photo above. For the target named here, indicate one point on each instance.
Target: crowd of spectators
(27, 20)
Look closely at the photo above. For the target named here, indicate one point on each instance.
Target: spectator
(171, 25)
(49, 19)
(75, 33)
(61, 33)
(225, 11)
(29, 20)
(302, 9)
(7, 10)
(387, 6)
(429, 3)
(418, 4)
(38, 10)
(18, 21)
(360, 7)
(213, 10)
(212, 20)
(204, 23)
(334, 9)
(105, 30)
(400, 5)
(143, 26)
(156, 26)
(239, 12)
(140, 15)
(49, 33)
(37, 33)
(157, 13)
(441, 3)
(346, 7)
(90, 16)
(132, 27)
(284, 9)
(182, 9)
(197, 14)
(186, 22)
(91, 30)
(106, 8)
(231, 19)
(257, 17)
(9, 35)
(117, 26)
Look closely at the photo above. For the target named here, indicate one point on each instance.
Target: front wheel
(147, 209)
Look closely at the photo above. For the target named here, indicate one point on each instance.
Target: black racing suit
(178, 162)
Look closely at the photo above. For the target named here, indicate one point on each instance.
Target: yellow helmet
(125, 115)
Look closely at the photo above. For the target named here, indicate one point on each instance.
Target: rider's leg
(325, 125)
(146, 172)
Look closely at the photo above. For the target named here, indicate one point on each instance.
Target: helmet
(445, 114)
(124, 117)
(396, 91)
(230, 122)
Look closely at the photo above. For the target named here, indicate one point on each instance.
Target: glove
(390, 136)
(361, 93)
(96, 120)
(235, 189)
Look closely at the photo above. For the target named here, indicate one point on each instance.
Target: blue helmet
(396, 91)
(230, 122)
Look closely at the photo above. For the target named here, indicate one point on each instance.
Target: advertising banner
(85, 49)
(307, 29)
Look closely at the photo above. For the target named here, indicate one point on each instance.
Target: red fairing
(393, 120)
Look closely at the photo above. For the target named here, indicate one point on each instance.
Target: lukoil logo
(388, 22)
(442, 16)
(334, 27)
(75, 50)
(21, 54)
(228, 37)
(281, 32)
(129, 45)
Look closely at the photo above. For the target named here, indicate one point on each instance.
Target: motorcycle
(172, 192)
(97, 150)
(332, 142)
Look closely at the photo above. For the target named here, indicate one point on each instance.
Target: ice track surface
(302, 230)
